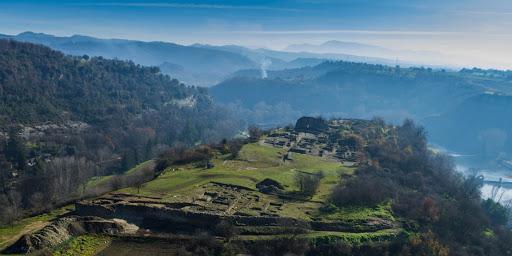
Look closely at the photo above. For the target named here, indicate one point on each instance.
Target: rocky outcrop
(51, 235)
(270, 186)
(311, 125)
(63, 229)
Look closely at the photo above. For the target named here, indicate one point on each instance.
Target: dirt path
(32, 227)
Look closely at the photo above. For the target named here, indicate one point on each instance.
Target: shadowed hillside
(333, 89)
(482, 119)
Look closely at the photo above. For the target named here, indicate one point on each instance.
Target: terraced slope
(229, 191)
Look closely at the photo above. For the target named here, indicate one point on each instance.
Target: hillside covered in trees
(337, 89)
(197, 64)
(194, 65)
(66, 119)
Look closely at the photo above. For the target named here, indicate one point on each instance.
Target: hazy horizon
(474, 33)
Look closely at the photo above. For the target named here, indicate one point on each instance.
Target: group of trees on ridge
(442, 210)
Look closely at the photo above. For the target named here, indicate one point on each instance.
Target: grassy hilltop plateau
(338, 187)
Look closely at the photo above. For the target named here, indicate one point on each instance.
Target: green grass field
(254, 164)
(382, 211)
(325, 237)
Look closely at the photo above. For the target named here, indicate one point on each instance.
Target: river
(492, 173)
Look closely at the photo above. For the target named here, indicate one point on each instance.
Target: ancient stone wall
(156, 215)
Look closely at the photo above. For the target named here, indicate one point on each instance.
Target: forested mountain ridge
(200, 66)
(39, 84)
(66, 119)
(365, 90)
(197, 64)
(287, 59)
(356, 89)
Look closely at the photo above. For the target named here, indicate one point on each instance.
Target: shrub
(226, 229)
(362, 190)
(234, 147)
(497, 213)
(254, 133)
(180, 155)
(308, 183)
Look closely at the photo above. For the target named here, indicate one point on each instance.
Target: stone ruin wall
(139, 214)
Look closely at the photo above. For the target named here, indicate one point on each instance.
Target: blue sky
(473, 30)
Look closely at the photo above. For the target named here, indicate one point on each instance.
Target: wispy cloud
(476, 12)
(191, 6)
(348, 31)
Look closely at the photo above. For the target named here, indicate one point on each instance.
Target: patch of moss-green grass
(85, 245)
(382, 211)
(355, 239)
(325, 237)
(300, 209)
(140, 166)
(97, 180)
(103, 180)
(488, 233)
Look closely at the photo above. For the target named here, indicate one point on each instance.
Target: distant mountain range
(197, 66)
(334, 46)
(402, 57)
(288, 59)
(202, 65)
